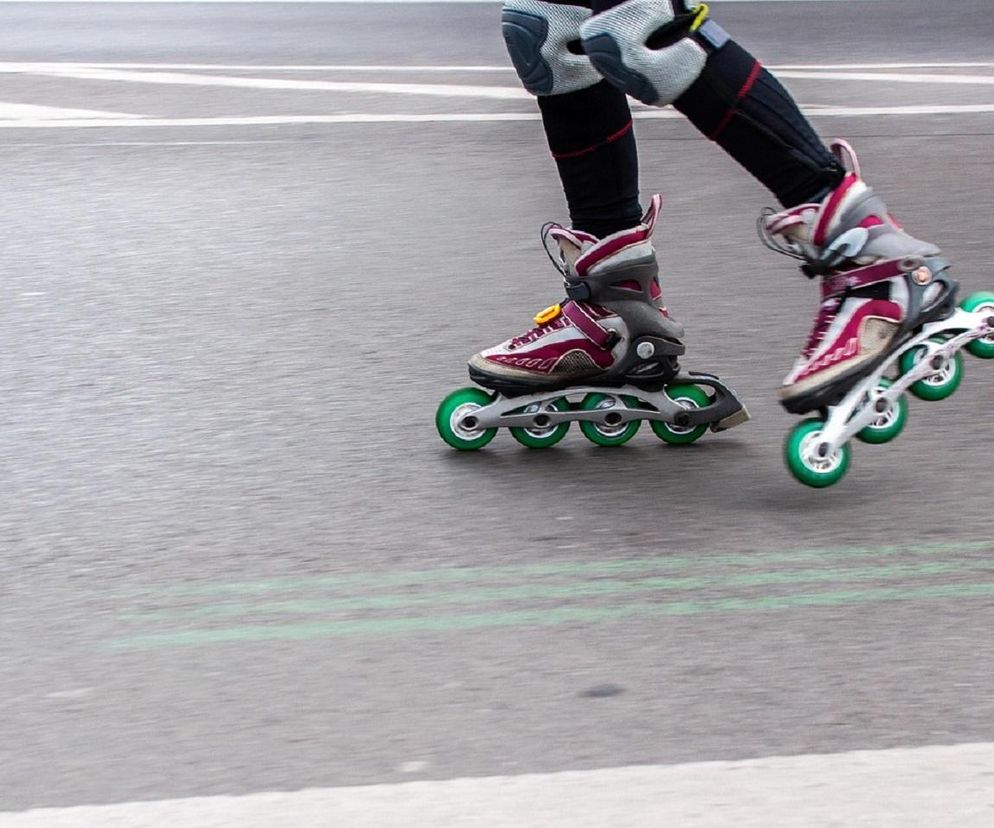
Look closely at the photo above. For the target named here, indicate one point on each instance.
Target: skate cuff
(611, 246)
(603, 338)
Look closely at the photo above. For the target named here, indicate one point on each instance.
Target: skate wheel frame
(542, 436)
(810, 460)
(929, 365)
(944, 379)
(450, 419)
(891, 418)
(983, 348)
(613, 431)
(679, 414)
(687, 397)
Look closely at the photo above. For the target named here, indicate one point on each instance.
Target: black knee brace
(745, 110)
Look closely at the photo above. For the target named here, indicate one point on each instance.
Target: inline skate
(888, 323)
(606, 357)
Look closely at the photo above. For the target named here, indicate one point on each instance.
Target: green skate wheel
(452, 410)
(800, 454)
(606, 434)
(889, 423)
(983, 347)
(936, 386)
(686, 396)
(538, 437)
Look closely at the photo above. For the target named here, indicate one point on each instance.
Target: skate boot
(611, 341)
(614, 300)
(888, 305)
(877, 284)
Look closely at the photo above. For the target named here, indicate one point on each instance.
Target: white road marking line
(22, 66)
(466, 117)
(94, 72)
(817, 110)
(235, 142)
(350, 1)
(845, 66)
(80, 692)
(8, 66)
(281, 120)
(186, 79)
(33, 112)
(937, 786)
(890, 77)
(26, 116)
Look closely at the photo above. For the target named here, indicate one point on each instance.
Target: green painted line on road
(539, 617)
(631, 565)
(581, 589)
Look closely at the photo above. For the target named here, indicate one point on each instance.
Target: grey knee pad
(537, 35)
(617, 43)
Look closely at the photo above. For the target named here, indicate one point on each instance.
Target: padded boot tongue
(846, 156)
(627, 244)
(652, 212)
(565, 246)
(572, 244)
(576, 244)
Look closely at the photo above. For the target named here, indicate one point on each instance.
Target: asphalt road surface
(247, 249)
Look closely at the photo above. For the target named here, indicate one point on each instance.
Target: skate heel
(651, 362)
(738, 418)
(932, 292)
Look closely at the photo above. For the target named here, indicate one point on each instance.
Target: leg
(587, 120)
(591, 138)
(607, 257)
(662, 51)
(611, 340)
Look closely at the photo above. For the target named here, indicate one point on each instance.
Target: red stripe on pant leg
(594, 147)
(749, 83)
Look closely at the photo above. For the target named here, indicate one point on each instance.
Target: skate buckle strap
(849, 279)
(603, 338)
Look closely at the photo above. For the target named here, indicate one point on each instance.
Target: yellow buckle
(547, 315)
(702, 15)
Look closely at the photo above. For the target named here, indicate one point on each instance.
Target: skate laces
(846, 156)
(552, 248)
(554, 235)
(532, 334)
(827, 312)
(551, 234)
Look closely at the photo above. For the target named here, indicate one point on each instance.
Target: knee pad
(538, 37)
(649, 49)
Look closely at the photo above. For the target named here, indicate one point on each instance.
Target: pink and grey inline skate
(888, 322)
(606, 357)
